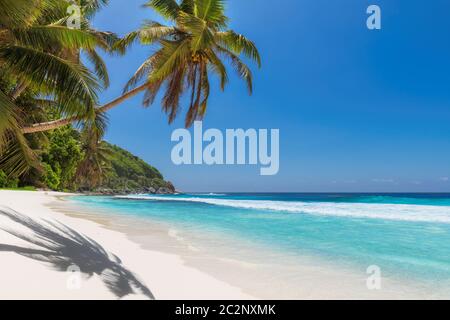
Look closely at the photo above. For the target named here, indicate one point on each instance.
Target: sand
(27, 277)
(130, 258)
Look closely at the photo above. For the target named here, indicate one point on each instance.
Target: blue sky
(358, 110)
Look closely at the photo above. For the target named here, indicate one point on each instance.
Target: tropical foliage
(8, 182)
(128, 172)
(68, 164)
(42, 69)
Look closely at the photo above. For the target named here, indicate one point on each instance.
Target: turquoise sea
(406, 235)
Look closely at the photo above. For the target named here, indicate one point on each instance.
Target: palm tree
(96, 163)
(188, 51)
(40, 54)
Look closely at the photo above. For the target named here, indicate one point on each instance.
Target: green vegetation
(63, 157)
(28, 188)
(51, 75)
(7, 182)
(129, 172)
(43, 78)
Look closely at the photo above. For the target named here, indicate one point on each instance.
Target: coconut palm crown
(188, 51)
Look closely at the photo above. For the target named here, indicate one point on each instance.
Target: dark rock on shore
(169, 189)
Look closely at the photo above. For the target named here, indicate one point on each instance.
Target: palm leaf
(90, 7)
(99, 66)
(8, 118)
(66, 79)
(173, 53)
(205, 91)
(211, 11)
(18, 13)
(238, 44)
(175, 88)
(202, 37)
(154, 31)
(218, 67)
(149, 33)
(18, 157)
(49, 36)
(140, 73)
(167, 8)
(187, 6)
(242, 69)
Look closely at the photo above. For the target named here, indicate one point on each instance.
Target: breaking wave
(404, 212)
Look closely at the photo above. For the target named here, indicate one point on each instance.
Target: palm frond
(151, 92)
(99, 66)
(211, 11)
(140, 73)
(17, 157)
(53, 35)
(238, 44)
(66, 79)
(205, 92)
(126, 42)
(47, 104)
(187, 6)
(175, 88)
(167, 8)
(242, 69)
(154, 31)
(218, 67)
(149, 33)
(173, 53)
(90, 7)
(18, 13)
(8, 118)
(201, 35)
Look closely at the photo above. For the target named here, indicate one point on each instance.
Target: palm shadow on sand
(62, 247)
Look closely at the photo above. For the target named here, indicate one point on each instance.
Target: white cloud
(344, 181)
(445, 179)
(377, 180)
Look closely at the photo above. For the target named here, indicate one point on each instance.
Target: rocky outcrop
(168, 189)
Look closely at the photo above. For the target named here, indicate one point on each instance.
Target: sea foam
(404, 212)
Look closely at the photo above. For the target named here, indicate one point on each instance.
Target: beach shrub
(63, 156)
(13, 183)
(7, 182)
(51, 178)
(3, 179)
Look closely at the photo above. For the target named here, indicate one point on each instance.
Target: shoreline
(164, 274)
(243, 263)
(179, 264)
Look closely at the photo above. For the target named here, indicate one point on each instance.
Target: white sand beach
(22, 277)
(43, 237)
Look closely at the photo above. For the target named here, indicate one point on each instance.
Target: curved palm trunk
(46, 126)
